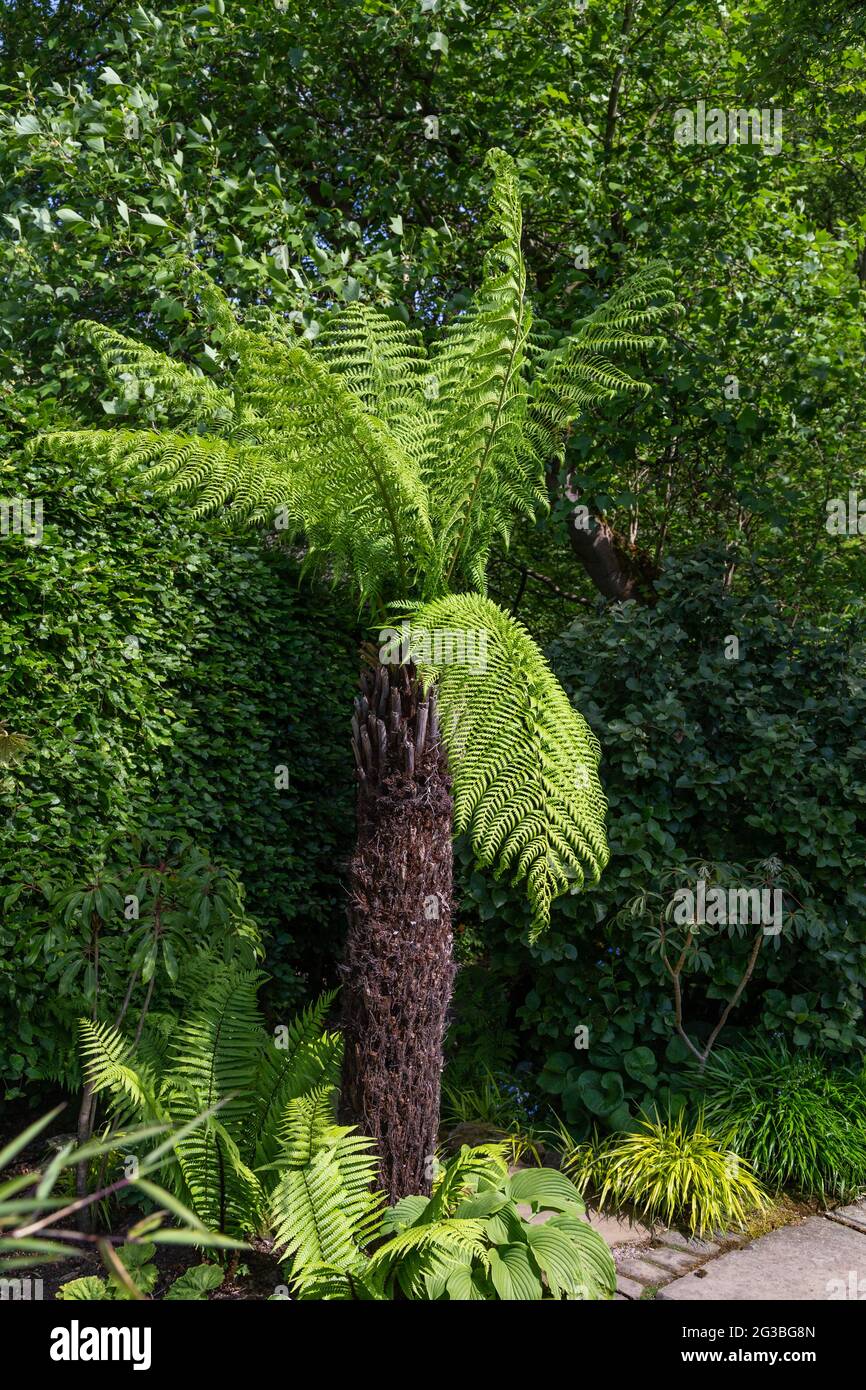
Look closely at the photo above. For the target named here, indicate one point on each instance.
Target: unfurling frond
(524, 762)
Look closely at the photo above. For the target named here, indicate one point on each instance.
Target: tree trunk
(398, 971)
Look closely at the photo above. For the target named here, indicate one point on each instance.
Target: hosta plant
(671, 1171)
(473, 1239)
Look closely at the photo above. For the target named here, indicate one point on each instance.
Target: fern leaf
(523, 761)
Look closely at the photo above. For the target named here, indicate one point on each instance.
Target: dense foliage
(162, 682)
(754, 767)
(272, 218)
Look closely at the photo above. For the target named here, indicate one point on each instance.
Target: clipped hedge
(704, 758)
(161, 671)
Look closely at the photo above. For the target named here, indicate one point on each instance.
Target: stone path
(818, 1259)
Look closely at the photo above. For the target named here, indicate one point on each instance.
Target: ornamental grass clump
(800, 1124)
(673, 1172)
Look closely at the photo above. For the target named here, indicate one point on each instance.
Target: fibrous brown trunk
(398, 970)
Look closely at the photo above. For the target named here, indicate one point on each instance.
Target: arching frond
(580, 371)
(153, 375)
(106, 1061)
(524, 762)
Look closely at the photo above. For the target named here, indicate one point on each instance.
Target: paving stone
(854, 1215)
(673, 1261)
(642, 1271)
(816, 1260)
(630, 1287)
(676, 1241)
(618, 1230)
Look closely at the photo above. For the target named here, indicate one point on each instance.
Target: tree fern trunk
(398, 970)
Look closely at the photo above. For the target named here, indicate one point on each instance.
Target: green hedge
(704, 759)
(161, 670)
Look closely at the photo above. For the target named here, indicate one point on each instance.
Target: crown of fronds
(400, 465)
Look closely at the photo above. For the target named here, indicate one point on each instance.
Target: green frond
(304, 1122)
(478, 412)
(379, 358)
(324, 1209)
(216, 1182)
(142, 372)
(327, 1284)
(451, 1236)
(106, 1064)
(216, 1051)
(523, 761)
(361, 496)
(580, 372)
(307, 1059)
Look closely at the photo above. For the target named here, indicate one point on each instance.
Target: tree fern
(400, 466)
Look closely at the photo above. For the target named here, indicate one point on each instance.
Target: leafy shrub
(675, 1172)
(704, 758)
(473, 1239)
(159, 679)
(800, 1124)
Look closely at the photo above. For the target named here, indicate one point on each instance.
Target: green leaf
(513, 1274)
(90, 1288)
(196, 1283)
